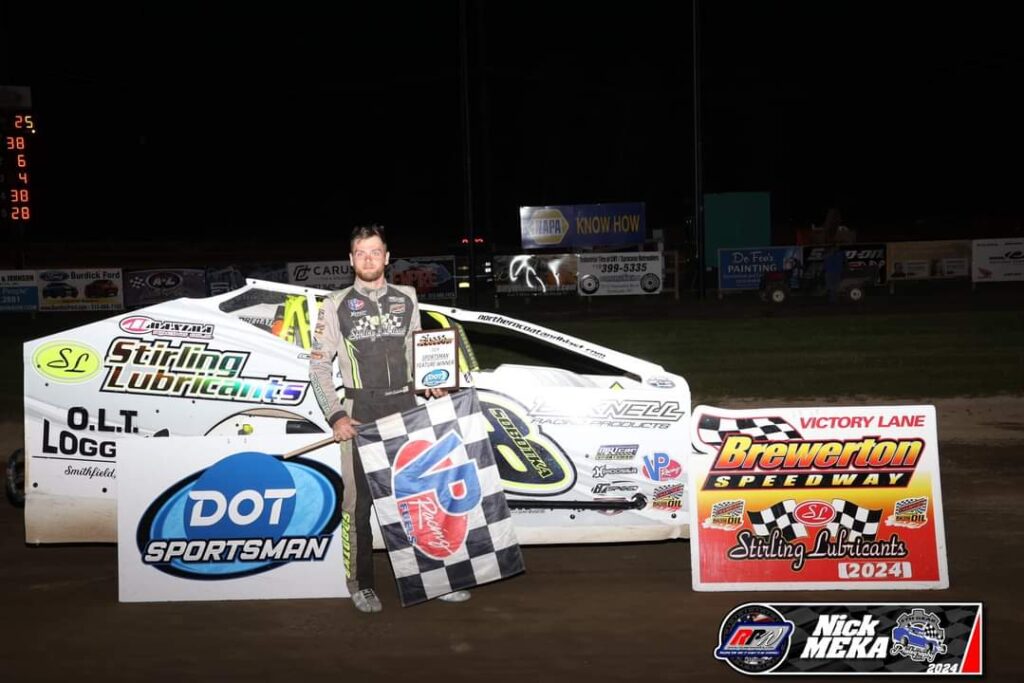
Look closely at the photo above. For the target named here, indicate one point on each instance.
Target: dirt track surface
(586, 613)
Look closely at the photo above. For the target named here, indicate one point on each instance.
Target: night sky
(185, 123)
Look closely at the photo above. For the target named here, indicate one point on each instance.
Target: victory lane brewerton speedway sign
(816, 498)
(226, 518)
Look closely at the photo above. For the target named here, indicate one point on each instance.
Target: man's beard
(369, 275)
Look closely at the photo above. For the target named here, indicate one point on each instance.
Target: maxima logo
(248, 513)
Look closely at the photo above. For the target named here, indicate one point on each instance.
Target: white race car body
(586, 457)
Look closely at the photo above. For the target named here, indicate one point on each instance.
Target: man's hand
(345, 428)
(436, 393)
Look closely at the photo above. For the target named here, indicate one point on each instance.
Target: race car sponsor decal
(143, 324)
(628, 413)
(530, 462)
(660, 467)
(66, 361)
(617, 452)
(853, 638)
(838, 502)
(208, 519)
(668, 497)
(192, 369)
(602, 471)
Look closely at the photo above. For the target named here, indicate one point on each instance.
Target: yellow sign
(66, 361)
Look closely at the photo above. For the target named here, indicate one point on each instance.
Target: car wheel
(778, 295)
(650, 283)
(14, 479)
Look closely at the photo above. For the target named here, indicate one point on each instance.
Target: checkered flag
(712, 429)
(859, 522)
(778, 516)
(439, 498)
(137, 282)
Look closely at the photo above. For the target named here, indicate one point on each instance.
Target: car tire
(14, 478)
(650, 283)
(589, 284)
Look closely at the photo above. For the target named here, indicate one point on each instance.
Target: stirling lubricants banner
(997, 260)
(628, 273)
(208, 518)
(785, 638)
(816, 498)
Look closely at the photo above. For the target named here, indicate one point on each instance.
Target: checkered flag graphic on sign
(712, 429)
(859, 522)
(137, 282)
(778, 516)
(439, 498)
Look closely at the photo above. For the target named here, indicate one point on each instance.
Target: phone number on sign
(875, 570)
(623, 267)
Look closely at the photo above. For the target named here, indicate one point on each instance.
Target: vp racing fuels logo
(192, 369)
(436, 485)
(530, 463)
(754, 639)
(248, 513)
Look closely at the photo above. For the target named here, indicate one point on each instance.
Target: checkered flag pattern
(137, 282)
(436, 542)
(778, 516)
(859, 522)
(712, 429)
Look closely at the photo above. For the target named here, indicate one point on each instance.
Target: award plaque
(435, 359)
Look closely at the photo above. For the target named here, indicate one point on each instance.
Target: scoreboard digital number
(17, 134)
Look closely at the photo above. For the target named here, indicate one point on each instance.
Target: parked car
(60, 290)
(101, 289)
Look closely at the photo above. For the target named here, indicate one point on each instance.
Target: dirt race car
(590, 442)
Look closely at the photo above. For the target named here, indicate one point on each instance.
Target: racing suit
(369, 331)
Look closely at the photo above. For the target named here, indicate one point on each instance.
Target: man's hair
(362, 232)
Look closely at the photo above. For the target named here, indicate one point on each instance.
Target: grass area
(908, 355)
(924, 355)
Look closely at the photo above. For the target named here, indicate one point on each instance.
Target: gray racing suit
(369, 331)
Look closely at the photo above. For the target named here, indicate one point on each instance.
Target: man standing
(368, 327)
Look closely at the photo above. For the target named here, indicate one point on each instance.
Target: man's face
(368, 257)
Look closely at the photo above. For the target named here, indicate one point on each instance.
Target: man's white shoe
(367, 601)
(455, 596)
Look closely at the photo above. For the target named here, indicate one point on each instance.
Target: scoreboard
(18, 131)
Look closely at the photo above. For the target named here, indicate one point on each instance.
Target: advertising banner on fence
(147, 287)
(321, 274)
(432, 276)
(816, 498)
(535, 274)
(628, 273)
(227, 518)
(997, 260)
(97, 289)
(860, 260)
(19, 290)
(740, 269)
(818, 638)
(941, 259)
(582, 225)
